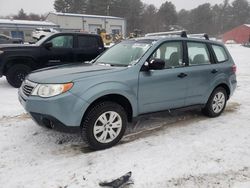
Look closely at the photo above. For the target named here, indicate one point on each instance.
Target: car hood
(69, 73)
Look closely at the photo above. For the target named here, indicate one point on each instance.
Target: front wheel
(216, 103)
(16, 74)
(104, 125)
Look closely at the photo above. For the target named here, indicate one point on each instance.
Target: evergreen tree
(149, 19)
(70, 6)
(167, 15)
(98, 7)
(240, 12)
(21, 15)
(201, 19)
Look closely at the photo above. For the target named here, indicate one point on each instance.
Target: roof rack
(182, 33)
(200, 35)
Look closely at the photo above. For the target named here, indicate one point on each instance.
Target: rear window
(87, 42)
(220, 53)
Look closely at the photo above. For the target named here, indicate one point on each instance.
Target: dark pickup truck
(16, 61)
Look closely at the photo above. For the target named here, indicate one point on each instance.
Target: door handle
(214, 71)
(182, 75)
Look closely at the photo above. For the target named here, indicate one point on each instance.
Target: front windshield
(125, 53)
(41, 41)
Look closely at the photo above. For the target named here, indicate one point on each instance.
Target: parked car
(39, 33)
(134, 77)
(4, 39)
(16, 61)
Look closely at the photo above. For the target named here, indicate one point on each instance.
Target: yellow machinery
(106, 38)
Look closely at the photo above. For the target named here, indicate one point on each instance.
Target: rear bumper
(1, 70)
(233, 84)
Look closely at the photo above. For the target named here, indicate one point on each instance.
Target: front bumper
(63, 112)
(53, 123)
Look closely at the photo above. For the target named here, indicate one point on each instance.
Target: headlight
(1, 52)
(51, 90)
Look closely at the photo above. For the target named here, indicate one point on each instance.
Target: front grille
(27, 87)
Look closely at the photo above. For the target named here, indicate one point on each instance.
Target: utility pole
(108, 9)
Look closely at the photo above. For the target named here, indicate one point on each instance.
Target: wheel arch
(29, 61)
(117, 98)
(226, 87)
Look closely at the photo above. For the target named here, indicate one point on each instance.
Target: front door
(164, 89)
(61, 52)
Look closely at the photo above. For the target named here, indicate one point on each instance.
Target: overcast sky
(8, 7)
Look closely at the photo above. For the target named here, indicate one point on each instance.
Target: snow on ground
(182, 149)
(9, 105)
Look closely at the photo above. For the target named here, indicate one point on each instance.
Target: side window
(220, 53)
(87, 42)
(62, 41)
(198, 53)
(171, 53)
(3, 37)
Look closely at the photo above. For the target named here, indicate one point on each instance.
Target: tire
(97, 131)
(16, 74)
(216, 103)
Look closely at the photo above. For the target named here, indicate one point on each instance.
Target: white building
(22, 28)
(88, 23)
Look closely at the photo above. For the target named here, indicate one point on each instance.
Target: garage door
(117, 29)
(93, 28)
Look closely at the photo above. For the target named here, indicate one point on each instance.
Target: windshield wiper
(105, 64)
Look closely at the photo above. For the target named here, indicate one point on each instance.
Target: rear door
(88, 47)
(201, 72)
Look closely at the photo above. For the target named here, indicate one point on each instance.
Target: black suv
(16, 61)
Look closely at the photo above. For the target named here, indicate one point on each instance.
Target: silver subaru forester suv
(138, 76)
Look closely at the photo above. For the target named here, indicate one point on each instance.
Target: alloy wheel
(107, 127)
(218, 102)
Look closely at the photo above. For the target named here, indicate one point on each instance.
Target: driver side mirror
(48, 45)
(155, 64)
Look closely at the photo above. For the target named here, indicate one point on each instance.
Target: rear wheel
(16, 74)
(216, 103)
(104, 125)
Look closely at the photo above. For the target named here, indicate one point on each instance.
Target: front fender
(107, 88)
(8, 61)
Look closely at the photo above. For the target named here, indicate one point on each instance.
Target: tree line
(205, 18)
(21, 15)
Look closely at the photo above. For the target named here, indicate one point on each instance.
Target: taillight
(234, 68)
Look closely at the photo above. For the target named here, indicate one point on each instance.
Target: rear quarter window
(220, 53)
